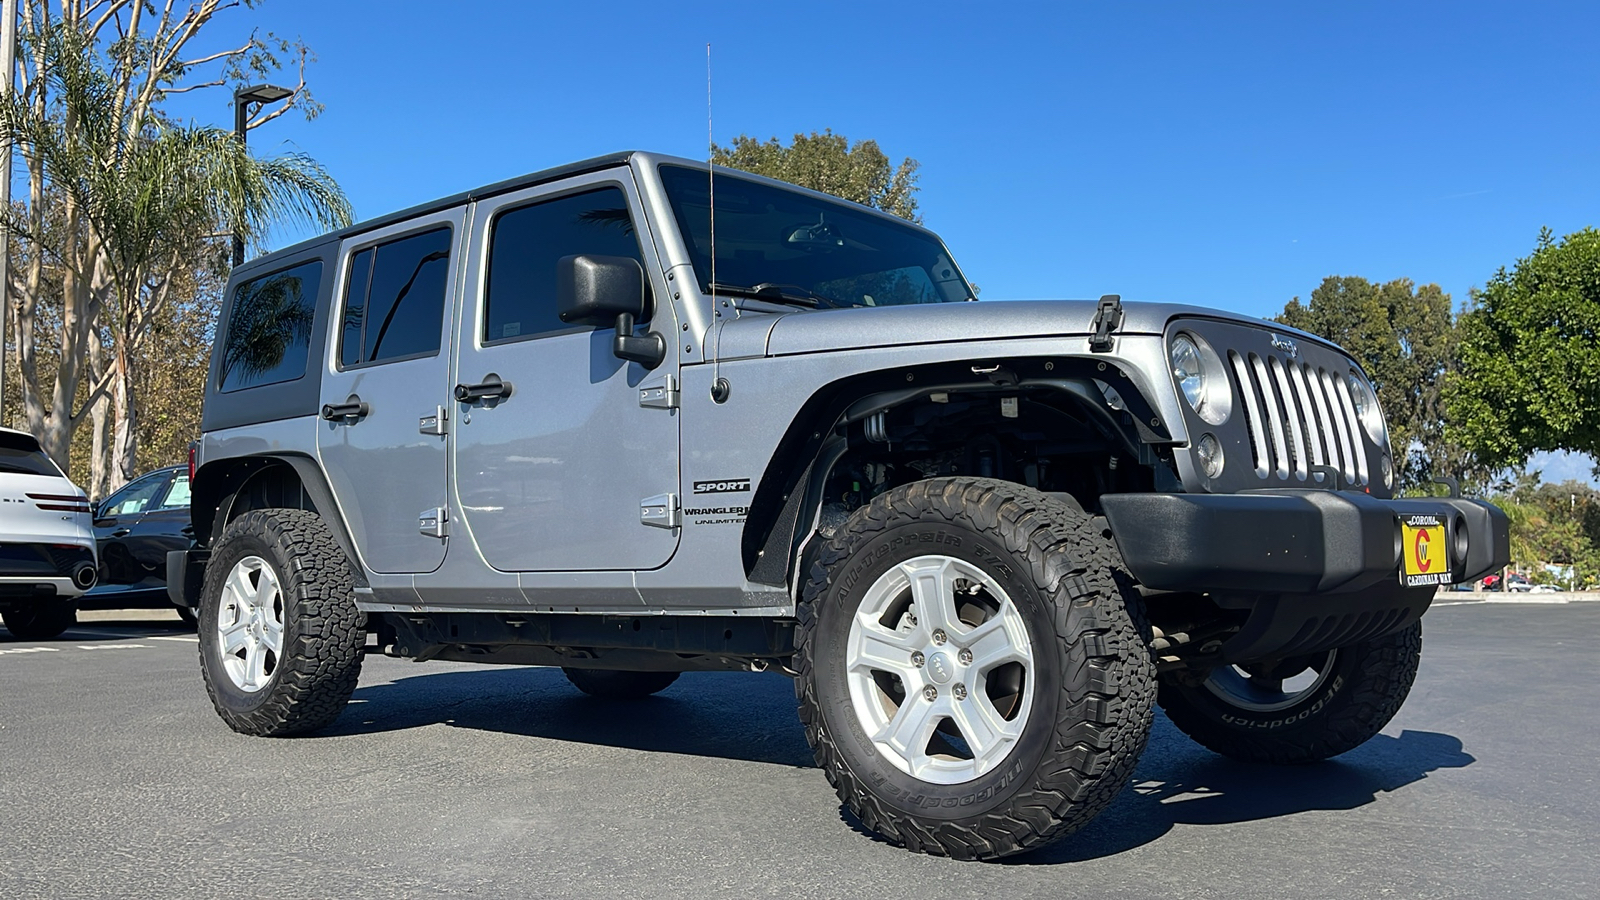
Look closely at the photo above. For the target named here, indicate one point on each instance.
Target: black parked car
(134, 528)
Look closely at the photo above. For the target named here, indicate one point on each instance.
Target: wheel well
(1072, 426)
(229, 488)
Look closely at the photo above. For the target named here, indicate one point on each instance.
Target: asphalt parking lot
(452, 780)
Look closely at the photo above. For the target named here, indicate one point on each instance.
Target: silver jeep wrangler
(633, 418)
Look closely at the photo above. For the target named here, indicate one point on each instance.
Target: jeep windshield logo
(1286, 346)
(726, 486)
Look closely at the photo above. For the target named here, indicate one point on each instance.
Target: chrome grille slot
(1341, 426)
(1292, 412)
(1280, 458)
(1349, 405)
(1252, 418)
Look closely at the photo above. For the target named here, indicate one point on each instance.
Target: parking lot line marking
(113, 646)
(29, 650)
(187, 638)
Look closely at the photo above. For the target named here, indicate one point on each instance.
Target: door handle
(351, 408)
(492, 387)
(122, 532)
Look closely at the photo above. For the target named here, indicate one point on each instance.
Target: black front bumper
(1316, 569)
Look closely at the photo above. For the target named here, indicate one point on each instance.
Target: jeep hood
(826, 330)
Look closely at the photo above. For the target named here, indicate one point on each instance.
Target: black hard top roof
(500, 187)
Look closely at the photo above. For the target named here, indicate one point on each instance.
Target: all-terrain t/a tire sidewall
(1093, 678)
(1366, 686)
(868, 562)
(322, 630)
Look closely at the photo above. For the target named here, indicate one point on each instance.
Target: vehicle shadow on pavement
(729, 715)
(1180, 783)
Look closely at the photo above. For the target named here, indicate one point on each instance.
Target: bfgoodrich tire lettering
(1361, 689)
(1093, 681)
(312, 679)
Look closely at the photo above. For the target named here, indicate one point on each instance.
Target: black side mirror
(599, 289)
(94, 510)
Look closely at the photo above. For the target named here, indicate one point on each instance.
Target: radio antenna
(711, 179)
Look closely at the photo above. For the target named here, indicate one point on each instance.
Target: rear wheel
(1301, 709)
(280, 636)
(614, 684)
(972, 675)
(39, 621)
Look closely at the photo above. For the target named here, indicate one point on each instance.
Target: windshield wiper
(783, 293)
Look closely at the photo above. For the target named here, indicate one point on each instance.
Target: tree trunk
(99, 485)
(125, 432)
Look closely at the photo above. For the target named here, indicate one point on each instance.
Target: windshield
(792, 246)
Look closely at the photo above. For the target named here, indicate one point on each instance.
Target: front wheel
(972, 676)
(1301, 709)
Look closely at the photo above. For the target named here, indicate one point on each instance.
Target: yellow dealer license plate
(1424, 554)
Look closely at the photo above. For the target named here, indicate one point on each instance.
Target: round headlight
(1366, 404)
(1210, 454)
(1200, 378)
(1386, 469)
(1189, 370)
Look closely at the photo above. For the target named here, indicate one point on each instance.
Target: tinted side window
(135, 498)
(269, 328)
(394, 305)
(21, 454)
(524, 245)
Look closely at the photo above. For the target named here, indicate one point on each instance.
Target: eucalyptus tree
(124, 59)
(828, 162)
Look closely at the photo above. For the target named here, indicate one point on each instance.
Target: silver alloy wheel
(250, 624)
(940, 669)
(1265, 690)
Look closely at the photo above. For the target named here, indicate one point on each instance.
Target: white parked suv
(47, 551)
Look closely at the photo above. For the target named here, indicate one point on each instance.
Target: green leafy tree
(829, 163)
(1558, 524)
(1405, 338)
(147, 192)
(1530, 355)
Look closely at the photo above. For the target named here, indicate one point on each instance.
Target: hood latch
(1107, 318)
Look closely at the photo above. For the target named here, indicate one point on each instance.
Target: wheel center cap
(940, 668)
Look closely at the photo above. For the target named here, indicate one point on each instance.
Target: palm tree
(148, 192)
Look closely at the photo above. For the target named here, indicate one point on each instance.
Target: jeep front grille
(1300, 417)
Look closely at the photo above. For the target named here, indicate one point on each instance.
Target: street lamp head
(260, 93)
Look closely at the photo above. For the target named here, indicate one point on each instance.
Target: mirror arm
(647, 351)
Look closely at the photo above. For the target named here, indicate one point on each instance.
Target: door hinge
(435, 423)
(660, 396)
(434, 522)
(661, 511)
(1107, 318)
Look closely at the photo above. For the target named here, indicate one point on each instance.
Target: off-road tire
(40, 621)
(614, 684)
(323, 632)
(1094, 691)
(1367, 684)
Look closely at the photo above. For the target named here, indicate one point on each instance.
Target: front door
(386, 377)
(551, 476)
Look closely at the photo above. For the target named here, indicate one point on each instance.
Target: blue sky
(1225, 154)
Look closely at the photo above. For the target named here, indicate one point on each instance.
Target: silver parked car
(606, 418)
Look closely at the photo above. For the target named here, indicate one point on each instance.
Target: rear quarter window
(20, 454)
(269, 328)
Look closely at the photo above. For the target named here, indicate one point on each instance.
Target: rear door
(553, 476)
(117, 520)
(163, 527)
(387, 375)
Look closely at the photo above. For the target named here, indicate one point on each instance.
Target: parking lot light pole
(242, 98)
